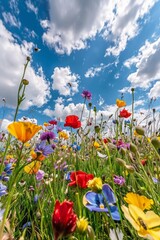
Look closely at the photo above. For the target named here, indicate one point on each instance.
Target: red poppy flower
(63, 219)
(80, 179)
(144, 162)
(72, 121)
(124, 113)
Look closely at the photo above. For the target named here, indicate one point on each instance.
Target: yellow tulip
(23, 131)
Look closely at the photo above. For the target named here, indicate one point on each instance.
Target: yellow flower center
(101, 206)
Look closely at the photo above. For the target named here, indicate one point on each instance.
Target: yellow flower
(27, 144)
(96, 144)
(46, 124)
(140, 201)
(82, 225)
(147, 224)
(95, 184)
(120, 103)
(8, 157)
(136, 134)
(63, 135)
(23, 131)
(33, 167)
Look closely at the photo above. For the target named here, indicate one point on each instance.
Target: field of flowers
(80, 183)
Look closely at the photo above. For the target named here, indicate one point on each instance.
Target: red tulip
(72, 121)
(80, 178)
(124, 113)
(63, 219)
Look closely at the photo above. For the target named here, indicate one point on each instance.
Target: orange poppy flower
(23, 131)
(120, 103)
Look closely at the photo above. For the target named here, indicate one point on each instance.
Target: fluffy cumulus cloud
(65, 81)
(13, 57)
(125, 23)
(147, 64)
(72, 23)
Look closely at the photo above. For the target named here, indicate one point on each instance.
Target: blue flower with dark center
(44, 149)
(102, 202)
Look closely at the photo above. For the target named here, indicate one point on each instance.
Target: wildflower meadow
(75, 181)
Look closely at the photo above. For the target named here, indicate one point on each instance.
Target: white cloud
(11, 19)
(155, 90)
(14, 5)
(4, 124)
(31, 6)
(13, 57)
(64, 81)
(147, 63)
(100, 101)
(94, 71)
(125, 23)
(125, 90)
(73, 22)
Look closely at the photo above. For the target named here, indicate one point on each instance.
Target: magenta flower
(86, 94)
(119, 180)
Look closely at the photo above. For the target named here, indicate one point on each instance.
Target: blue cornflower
(75, 147)
(100, 202)
(43, 148)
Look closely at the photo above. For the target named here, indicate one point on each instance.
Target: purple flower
(100, 202)
(119, 180)
(3, 189)
(59, 129)
(44, 149)
(27, 224)
(86, 94)
(47, 136)
(40, 175)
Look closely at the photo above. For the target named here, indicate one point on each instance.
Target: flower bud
(133, 148)
(121, 162)
(122, 151)
(130, 168)
(155, 142)
(140, 131)
(25, 82)
(90, 233)
(111, 146)
(28, 58)
(97, 129)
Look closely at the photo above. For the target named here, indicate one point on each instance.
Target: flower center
(141, 222)
(101, 205)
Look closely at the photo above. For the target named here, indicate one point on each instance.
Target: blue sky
(105, 46)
